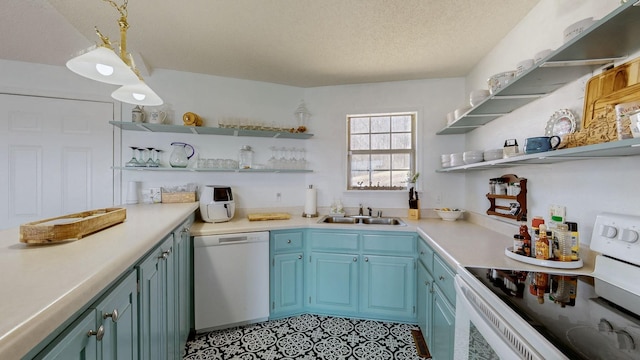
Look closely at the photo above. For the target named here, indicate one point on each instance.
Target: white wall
(585, 187)
(431, 99)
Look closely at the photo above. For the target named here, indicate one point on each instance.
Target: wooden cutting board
(620, 84)
(268, 216)
(603, 92)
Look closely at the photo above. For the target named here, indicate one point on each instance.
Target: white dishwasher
(231, 279)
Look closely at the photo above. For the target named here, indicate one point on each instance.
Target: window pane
(381, 178)
(401, 141)
(399, 178)
(380, 124)
(359, 178)
(381, 161)
(380, 141)
(401, 123)
(401, 162)
(359, 125)
(359, 142)
(360, 162)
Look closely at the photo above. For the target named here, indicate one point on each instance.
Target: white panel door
(55, 157)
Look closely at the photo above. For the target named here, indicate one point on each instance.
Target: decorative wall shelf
(606, 41)
(628, 147)
(169, 169)
(202, 130)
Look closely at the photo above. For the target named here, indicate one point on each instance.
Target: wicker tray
(70, 227)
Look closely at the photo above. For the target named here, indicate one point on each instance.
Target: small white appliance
(216, 203)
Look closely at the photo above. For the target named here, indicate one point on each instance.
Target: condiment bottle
(575, 240)
(542, 244)
(526, 240)
(542, 281)
(518, 244)
(564, 242)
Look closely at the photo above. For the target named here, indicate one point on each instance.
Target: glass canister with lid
(245, 158)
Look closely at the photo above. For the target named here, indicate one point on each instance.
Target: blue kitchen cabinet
(333, 283)
(108, 330)
(442, 331)
(286, 275)
(117, 313)
(424, 291)
(388, 284)
(436, 299)
(183, 286)
(75, 343)
(157, 303)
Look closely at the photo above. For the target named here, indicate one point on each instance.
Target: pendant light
(101, 63)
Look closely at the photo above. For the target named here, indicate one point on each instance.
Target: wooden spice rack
(521, 199)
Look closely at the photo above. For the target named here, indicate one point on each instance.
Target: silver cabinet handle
(289, 241)
(185, 229)
(300, 257)
(165, 254)
(426, 283)
(366, 259)
(421, 252)
(113, 315)
(441, 277)
(355, 259)
(99, 334)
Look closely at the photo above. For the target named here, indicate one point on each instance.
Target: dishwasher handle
(230, 239)
(233, 239)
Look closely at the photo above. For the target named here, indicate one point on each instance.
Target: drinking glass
(150, 160)
(134, 161)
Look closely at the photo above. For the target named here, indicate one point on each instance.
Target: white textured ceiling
(302, 43)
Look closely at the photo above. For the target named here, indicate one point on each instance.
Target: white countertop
(43, 286)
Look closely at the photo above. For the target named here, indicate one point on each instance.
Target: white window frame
(412, 152)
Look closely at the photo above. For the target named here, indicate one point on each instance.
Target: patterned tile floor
(306, 337)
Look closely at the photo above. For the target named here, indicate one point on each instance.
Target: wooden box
(70, 227)
(178, 197)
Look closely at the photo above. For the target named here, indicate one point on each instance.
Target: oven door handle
(490, 324)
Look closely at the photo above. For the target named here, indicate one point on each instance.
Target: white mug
(157, 116)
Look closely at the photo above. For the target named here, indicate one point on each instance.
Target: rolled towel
(189, 118)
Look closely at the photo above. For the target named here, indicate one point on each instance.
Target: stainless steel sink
(359, 219)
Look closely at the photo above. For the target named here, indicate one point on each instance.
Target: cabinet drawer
(425, 254)
(325, 240)
(444, 277)
(287, 241)
(389, 244)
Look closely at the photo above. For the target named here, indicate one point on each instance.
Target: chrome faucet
(370, 211)
(360, 210)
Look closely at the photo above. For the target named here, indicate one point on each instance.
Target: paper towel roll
(310, 202)
(133, 192)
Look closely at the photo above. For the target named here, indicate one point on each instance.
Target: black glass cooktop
(566, 310)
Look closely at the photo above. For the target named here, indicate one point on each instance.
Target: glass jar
(245, 158)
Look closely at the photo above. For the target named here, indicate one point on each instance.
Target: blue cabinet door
(74, 343)
(155, 302)
(443, 326)
(287, 285)
(118, 314)
(424, 299)
(182, 279)
(388, 284)
(333, 283)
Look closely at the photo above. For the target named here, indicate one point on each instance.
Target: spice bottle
(542, 244)
(575, 240)
(518, 244)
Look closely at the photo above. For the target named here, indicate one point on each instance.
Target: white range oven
(553, 314)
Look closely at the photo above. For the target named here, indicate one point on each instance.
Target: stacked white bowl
(457, 159)
(445, 160)
(477, 96)
(493, 154)
(457, 113)
(472, 157)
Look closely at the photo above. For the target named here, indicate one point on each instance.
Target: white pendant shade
(104, 65)
(138, 94)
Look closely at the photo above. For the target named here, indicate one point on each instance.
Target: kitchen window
(381, 150)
